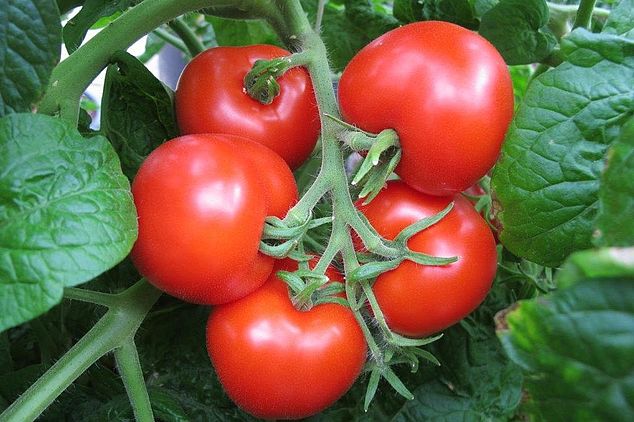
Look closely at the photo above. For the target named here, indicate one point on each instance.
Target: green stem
(118, 325)
(72, 76)
(46, 344)
(129, 366)
(584, 14)
(90, 296)
(571, 10)
(350, 263)
(321, 6)
(194, 45)
(171, 39)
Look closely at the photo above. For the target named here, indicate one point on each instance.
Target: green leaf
(476, 382)
(621, 20)
(137, 112)
(460, 12)
(615, 221)
(578, 349)
(547, 179)
(517, 28)
(91, 12)
(30, 38)
(66, 213)
(367, 19)
(408, 11)
(234, 32)
(595, 263)
(483, 6)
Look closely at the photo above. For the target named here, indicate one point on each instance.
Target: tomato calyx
(382, 157)
(375, 267)
(261, 81)
(280, 237)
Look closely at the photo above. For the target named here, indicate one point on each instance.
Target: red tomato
(419, 300)
(210, 98)
(276, 362)
(201, 201)
(447, 93)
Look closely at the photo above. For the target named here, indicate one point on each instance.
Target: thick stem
(72, 76)
(584, 14)
(119, 324)
(131, 373)
(194, 45)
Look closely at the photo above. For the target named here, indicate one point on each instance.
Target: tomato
(419, 300)
(202, 200)
(447, 93)
(210, 98)
(277, 362)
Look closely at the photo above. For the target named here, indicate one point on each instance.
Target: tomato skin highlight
(419, 300)
(445, 90)
(276, 362)
(210, 98)
(201, 213)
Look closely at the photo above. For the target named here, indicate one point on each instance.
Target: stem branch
(129, 366)
(118, 325)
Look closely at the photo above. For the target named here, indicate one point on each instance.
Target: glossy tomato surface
(419, 300)
(276, 362)
(201, 208)
(210, 98)
(447, 93)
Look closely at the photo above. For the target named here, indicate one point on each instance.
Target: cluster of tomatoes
(202, 200)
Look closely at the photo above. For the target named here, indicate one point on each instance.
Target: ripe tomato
(201, 201)
(419, 300)
(447, 93)
(276, 362)
(210, 98)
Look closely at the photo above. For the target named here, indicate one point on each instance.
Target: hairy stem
(118, 325)
(131, 373)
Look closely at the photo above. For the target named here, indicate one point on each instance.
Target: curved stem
(584, 14)
(72, 76)
(112, 330)
(129, 366)
(194, 45)
(171, 39)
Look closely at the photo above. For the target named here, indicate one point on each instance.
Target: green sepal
(293, 281)
(424, 259)
(424, 354)
(421, 225)
(397, 384)
(373, 269)
(398, 340)
(373, 384)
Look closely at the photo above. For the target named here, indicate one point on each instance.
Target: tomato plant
(111, 197)
(210, 97)
(447, 93)
(419, 300)
(202, 245)
(277, 362)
